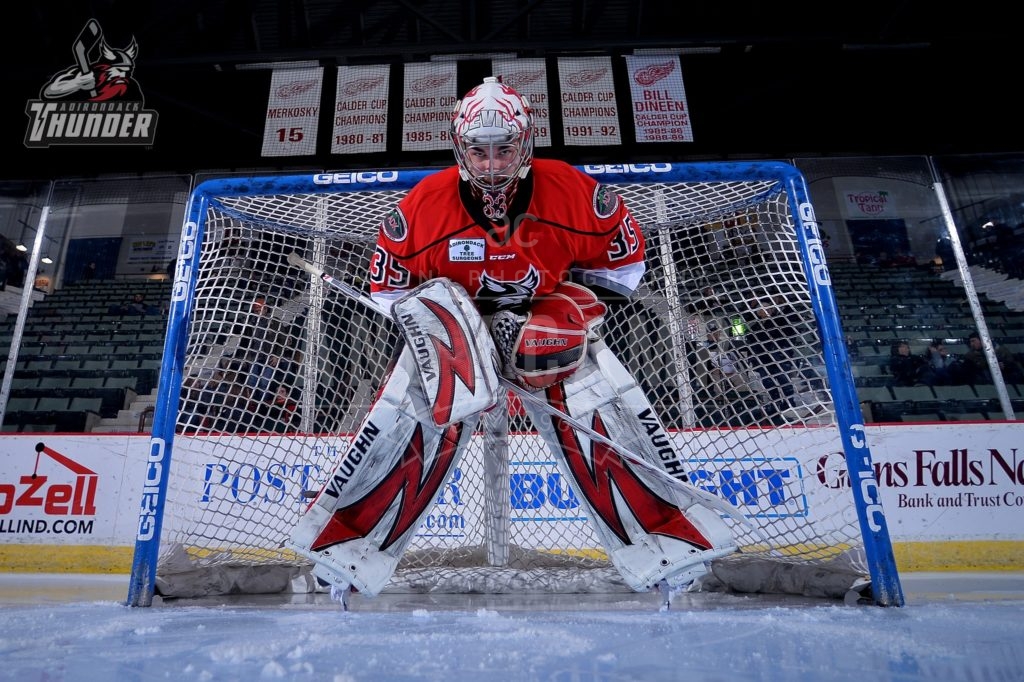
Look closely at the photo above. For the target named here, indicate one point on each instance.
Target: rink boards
(952, 494)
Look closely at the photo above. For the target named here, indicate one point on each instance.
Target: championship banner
(589, 113)
(427, 106)
(361, 109)
(293, 112)
(660, 112)
(529, 77)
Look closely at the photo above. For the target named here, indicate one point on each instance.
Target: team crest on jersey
(465, 250)
(508, 294)
(606, 201)
(96, 101)
(394, 226)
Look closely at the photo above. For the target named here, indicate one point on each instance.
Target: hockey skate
(340, 589)
(682, 576)
(679, 582)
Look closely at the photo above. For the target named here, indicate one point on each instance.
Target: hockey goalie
(501, 266)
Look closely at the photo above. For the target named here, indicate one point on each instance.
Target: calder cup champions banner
(529, 77)
(430, 96)
(361, 109)
(590, 115)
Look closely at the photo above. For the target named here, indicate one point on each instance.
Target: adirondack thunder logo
(94, 102)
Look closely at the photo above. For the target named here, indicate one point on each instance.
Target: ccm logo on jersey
(465, 250)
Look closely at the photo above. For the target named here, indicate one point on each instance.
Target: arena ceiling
(222, 34)
(763, 79)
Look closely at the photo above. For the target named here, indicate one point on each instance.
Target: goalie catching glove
(548, 343)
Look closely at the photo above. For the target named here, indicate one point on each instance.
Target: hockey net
(267, 373)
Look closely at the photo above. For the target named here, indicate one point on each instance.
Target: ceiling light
(21, 247)
(260, 66)
(695, 49)
(463, 56)
(47, 260)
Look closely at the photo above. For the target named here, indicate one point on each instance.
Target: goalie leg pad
(359, 525)
(455, 356)
(652, 530)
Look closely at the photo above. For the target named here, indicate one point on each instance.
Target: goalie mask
(492, 133)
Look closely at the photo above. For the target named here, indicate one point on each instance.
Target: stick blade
(86, 42)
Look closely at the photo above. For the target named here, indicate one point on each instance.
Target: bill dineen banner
(660, 111)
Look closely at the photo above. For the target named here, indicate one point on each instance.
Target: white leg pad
(456, 360)
(652, 530)
(359, 525)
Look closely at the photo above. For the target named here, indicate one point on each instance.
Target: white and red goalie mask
(492, 133)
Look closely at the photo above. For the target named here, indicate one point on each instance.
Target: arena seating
(83, 359)
(84, 356)
(880, 306)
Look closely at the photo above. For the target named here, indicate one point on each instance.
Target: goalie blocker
(361, 522)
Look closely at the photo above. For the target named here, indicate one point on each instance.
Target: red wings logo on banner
(585, 76)
(654, 73)
(295, 89)
(358, 86)
(431, 82)
(520, 79)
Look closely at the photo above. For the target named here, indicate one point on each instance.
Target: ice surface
(74, 627)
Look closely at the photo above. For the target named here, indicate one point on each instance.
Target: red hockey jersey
(562, 225)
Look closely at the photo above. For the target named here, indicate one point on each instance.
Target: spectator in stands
(944, 251)
(260, 329)
(977, 363)
(259, 305)
(262, 375)
(772, 340)
(707, 301)
(199, 394)
(944, 368)
(704, 309)
(726, 368)
(1013, 257)
(1004, 246)
(280, 413)
(233, 414)
(89, 271)
(135, 306)
(906, 368)
(20, 269)
(42, 282)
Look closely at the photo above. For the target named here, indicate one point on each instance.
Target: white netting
(280, 369)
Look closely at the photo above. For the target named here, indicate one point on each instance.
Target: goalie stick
(87, 40)
(712, 501)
